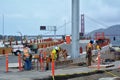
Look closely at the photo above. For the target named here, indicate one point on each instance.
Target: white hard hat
(56, 47)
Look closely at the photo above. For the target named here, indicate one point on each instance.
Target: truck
(17, 49)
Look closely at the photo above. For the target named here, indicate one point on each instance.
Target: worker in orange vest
(89, 49)
(27, 57)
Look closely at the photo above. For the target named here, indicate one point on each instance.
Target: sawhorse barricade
(19, 62)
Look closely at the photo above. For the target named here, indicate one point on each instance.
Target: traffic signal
(42, 27)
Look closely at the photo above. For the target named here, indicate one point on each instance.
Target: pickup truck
(16, 49)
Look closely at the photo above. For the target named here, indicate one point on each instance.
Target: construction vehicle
(101, 39)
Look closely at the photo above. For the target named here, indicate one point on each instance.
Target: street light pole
(75, 28)
(21, 37)
(3, 25)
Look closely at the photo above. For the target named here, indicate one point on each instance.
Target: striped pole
(19, 62)
(6, 62)
(98, 66)
(53, 67)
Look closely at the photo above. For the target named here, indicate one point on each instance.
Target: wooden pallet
(14, 65)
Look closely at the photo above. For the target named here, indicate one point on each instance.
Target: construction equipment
(101, 39)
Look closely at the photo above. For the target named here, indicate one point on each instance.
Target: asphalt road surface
(97, 76)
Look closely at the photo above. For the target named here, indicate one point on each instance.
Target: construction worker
(57, 52)
(98, 48)
(89, 49)
(27, 57)
(54, 54)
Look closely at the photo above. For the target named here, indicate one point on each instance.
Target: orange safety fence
(3, 50)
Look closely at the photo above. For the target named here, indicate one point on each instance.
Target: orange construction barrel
(68, 39)
(81, 50)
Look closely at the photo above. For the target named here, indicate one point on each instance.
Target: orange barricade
(81, 50)
(51, 43)
(44, 45)
(3, 51)
(6, 62)
(44, 55)
(41, 45)
(20, 62)
(68, 39)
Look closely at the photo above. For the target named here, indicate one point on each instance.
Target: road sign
(42, 27)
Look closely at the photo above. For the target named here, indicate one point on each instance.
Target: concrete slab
(101, 66)
(14, 65)
(110, 78)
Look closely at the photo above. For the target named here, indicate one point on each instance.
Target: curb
(69, 76)
(74, 75)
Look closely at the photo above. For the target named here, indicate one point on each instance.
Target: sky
(26, 16)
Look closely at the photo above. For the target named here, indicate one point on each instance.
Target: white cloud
(31, 14)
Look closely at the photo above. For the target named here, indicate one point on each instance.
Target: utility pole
(3, 25)
(75, 28)
(21, 37)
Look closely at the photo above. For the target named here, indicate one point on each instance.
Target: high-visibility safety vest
(25, 50)
(89, 46)
(26, 54)
(98, 47)
(54, 54)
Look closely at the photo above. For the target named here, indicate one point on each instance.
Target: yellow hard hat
(53, 51)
